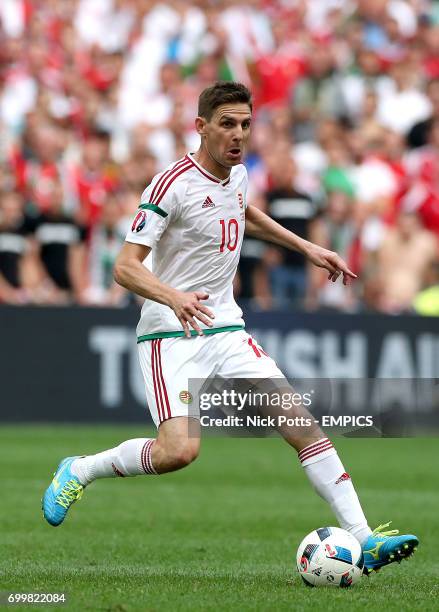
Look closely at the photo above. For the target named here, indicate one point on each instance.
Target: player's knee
(179, 454)
(185, 453)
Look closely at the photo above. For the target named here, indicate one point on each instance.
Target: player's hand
(188, 308)
(331, 261)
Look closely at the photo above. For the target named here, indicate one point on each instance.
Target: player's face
(227, 133)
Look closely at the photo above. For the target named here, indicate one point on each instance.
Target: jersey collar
(207, 174)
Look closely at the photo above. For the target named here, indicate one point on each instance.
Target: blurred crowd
(96, 96)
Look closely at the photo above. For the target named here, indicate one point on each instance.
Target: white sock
(331, 481)
(130, 458)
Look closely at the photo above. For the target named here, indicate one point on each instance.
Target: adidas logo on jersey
(208, 203)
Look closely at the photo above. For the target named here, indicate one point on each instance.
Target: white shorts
(168, 363)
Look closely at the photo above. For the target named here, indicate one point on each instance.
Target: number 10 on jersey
(229, 234)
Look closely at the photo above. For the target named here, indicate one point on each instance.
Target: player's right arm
(130, 272)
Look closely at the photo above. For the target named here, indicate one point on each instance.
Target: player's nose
(238, 136)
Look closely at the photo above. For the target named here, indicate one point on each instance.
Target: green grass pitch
(219, 535)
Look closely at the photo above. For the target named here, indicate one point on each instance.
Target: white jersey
(194, 224)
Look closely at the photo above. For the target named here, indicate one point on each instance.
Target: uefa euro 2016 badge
(240, 200)
(185, 397)
(139, 222)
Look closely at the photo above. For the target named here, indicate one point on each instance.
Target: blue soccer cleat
(63, 491)
(384, 547)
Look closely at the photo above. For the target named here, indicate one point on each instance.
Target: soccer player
(192, 217)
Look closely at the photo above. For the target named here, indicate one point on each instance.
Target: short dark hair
(222, 92)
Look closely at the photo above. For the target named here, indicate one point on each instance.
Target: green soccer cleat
(384, 547)
(63, 491)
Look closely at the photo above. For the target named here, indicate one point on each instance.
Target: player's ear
(200, 125)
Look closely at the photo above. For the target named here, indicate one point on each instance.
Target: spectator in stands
(60, 244)
(335, 229)
(407, 104)
(15, 264)
(337, 87)
(105, 243)
(294, 210)
(316, 95)
(37, 162)
(275, 73)
(404, 257)
(423, 187)
(363, 76)
(252, 282)
(428, 37)
(375, 184)
(138, 170)
(367, 113)
(375, 15)
(418, 135)
(93, 179)
(426, 302)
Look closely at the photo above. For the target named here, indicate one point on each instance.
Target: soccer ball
(330, 556)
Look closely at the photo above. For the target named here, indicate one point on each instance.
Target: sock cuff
(316, 451)
(146, 457)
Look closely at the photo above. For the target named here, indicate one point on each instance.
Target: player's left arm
(259, 225)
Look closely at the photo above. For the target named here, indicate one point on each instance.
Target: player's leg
(177, 444)
(318, 457)
(172, 450)
(326, 472)
(316, 453)
(166, 367)
(332, 482)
